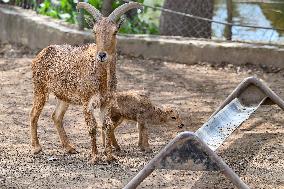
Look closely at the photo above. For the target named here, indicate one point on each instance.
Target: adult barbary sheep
(76, 74)
(136, 106)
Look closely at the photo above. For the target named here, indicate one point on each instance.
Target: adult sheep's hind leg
(38, 104)
(57, 117)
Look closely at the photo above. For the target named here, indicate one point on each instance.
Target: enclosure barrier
(195, 151)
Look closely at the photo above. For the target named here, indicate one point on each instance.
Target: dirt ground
(255, 151)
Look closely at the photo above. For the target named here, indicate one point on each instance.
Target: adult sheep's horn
(119, 11)
(90, 9)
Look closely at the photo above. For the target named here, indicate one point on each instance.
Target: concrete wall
(36, 32)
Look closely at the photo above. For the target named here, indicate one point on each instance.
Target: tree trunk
(173, 24)
(36, 4)
(228, 28)
(107, 7)
(80, 18)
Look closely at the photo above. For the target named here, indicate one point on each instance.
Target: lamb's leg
(38, 104)
(57, 117)
(139, 135)
(92, 125)
(114, 141)
(143, 136)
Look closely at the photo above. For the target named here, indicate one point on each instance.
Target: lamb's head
(106, 28)
(173, 117)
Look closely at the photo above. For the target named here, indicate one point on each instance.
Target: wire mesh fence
(175, 24)
(236, 20)
(256, 21)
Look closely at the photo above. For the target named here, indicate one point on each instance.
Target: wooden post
(80, 18)
(228, 28)
(107, 7)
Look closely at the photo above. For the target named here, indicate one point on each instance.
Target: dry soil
(255, 150)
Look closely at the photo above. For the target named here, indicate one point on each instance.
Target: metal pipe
(227, 171)
(243, 85)
(151, 166)
(145, 172)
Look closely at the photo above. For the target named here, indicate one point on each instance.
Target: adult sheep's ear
(119, 11)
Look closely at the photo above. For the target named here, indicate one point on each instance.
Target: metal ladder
(195, 151)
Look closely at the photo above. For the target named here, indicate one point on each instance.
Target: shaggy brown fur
(76, 74)
(136, 106)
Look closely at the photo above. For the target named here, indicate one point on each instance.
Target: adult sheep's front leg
(107, 129)
(92, 126)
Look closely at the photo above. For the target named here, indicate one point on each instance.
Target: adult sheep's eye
(174, 118)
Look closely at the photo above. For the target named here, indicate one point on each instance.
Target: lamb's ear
(167, 108)
(171, 110)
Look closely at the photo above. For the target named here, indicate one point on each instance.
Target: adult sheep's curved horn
(119, 11)
(90, 9)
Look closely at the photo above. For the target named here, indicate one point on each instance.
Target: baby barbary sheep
(76, 74)
(136, 106)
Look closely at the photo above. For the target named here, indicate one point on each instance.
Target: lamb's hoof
(71, 150)
(146, 149)
(36, 150)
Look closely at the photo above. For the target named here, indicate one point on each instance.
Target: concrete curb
(37, 32)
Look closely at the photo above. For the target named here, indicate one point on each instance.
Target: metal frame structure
(189, 151)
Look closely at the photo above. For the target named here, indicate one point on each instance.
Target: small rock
(52, 159)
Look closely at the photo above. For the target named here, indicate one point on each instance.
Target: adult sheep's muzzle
(102, 56)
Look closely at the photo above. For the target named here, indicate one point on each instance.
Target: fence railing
(26, 4)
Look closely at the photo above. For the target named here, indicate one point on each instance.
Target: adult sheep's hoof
(94, 160)
(110, 159)
(117, 149)
(36, 150)
(71, 150)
